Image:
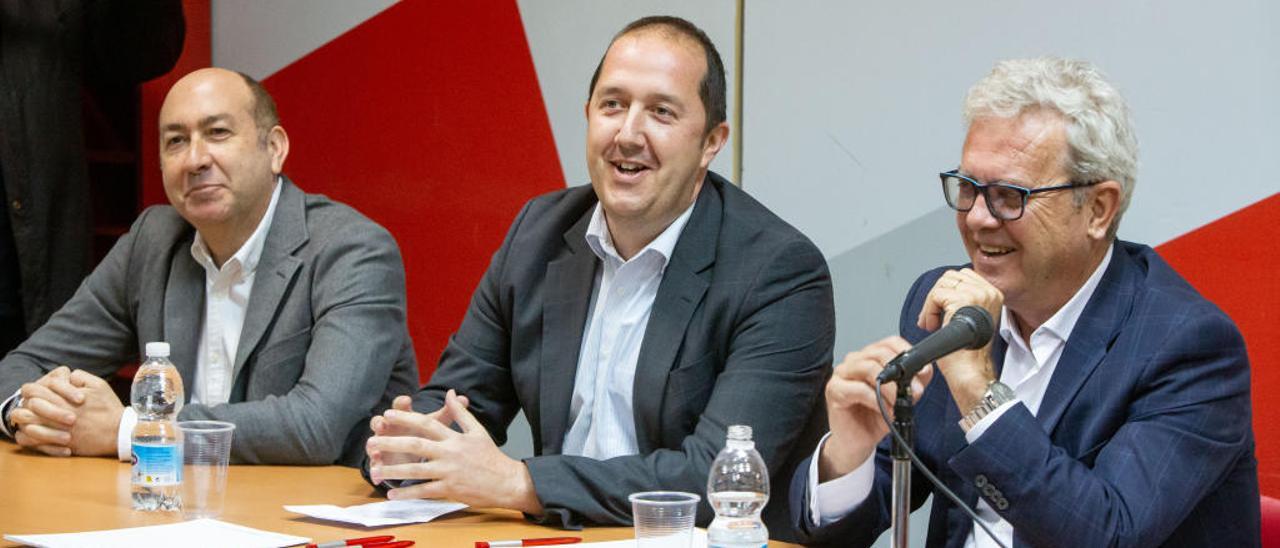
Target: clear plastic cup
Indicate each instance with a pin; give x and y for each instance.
(664, 518)
(206, 451)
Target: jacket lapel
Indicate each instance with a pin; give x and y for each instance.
(679, 294)
(276, 269)
(184, 293)
(564, 314)
(1094, 332)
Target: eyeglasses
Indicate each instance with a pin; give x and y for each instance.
(1005, 201)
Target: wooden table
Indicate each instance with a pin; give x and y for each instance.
(61, 495)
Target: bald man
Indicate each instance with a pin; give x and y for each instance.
(285, 311)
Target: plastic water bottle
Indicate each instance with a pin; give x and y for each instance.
(738, 488)
(157, 444)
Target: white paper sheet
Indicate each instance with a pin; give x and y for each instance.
(377, 514)
(195, 533)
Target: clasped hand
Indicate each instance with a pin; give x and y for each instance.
(464, 466)
(68, 413)
(968, 372)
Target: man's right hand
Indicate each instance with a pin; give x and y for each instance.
(48, 413)
(382, 427)
(854, 416)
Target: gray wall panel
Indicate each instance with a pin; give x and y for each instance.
(853, 107)
(261, 37)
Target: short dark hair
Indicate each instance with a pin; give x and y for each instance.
(712, 88)
(264, 111)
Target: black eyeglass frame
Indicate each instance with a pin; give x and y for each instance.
(1022, 191)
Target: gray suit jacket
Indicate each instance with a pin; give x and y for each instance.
(324, 343)
(741, 332)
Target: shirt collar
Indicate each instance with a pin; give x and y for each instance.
(251, 251)
(1064, 320)
(601, 241)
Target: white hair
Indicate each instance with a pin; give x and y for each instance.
(1101, 142)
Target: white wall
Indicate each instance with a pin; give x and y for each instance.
(853, 107)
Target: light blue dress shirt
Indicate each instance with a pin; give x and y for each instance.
(602, 422)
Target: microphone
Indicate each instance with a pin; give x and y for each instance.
(970, 327)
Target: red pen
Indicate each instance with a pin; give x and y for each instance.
(548, 541)
(396, 544)
(351, 542)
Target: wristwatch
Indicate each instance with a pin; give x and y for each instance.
(997, 394)
(15, 403)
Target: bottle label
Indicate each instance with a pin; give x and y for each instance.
(157, 464)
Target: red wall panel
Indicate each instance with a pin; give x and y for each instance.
(427, 118)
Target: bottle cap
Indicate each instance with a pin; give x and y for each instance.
(157, 350)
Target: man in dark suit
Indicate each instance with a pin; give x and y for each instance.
(633, 320)
(49, 49)
(1112, 408)
(285, 311)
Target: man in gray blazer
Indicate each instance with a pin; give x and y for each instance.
(285, 311)
(632, 320)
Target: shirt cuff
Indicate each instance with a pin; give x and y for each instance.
(835, 499)
(4, 414)
(124, 436)
(981, 426)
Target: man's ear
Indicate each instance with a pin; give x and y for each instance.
(1103, 206)
(714, 141)
(278, 146)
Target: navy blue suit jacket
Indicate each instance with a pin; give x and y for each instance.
(1144, 437)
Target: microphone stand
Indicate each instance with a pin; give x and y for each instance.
(904, 423)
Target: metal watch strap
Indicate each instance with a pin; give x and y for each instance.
(997, 394)
(14, 403)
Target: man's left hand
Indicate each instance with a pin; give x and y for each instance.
(97, 417)
(465, 467)
(968, 372)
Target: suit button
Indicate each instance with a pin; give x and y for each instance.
(980, 480)
(17, 205)
(1002, 504)
(990, 491)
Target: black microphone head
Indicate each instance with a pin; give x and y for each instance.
(978, 319)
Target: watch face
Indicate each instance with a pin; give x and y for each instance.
(1001, 392)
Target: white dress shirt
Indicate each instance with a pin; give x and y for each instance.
(602, 423)
(1027, 370)
(226, 299)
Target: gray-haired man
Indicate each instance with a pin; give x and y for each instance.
(1112, 409)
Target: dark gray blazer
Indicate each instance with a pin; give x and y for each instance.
(741, 332)
(324, 344)
(48, 50)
